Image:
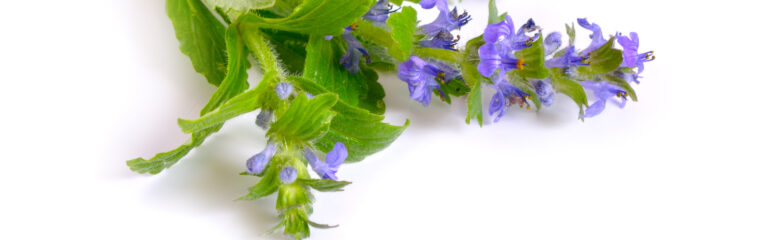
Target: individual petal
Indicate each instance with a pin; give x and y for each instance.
(257, 163)
(336, 156)
(379, 12)
(288, 175)
(545, 92)
(498, 105)
(490, 60)
(552, 42)
(420, 77)
(499, 31)
(596, 36)
(264, 118)
(283, 90)
(595, 108)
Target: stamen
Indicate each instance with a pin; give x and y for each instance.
(353, 27)
(519, 64)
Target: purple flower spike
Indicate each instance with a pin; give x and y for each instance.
(545, 93)
(569, 59)
(355, 51)
(334, 159)
(552, 42)
(603, 92)
(422, 76)
(446, 21)
(596, 36)
(631, 58)
(506, 95)
(288, 175)
(379, 12)
(259, 162)
(283, 90)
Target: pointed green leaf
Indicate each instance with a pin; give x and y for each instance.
(493, 13)
(368, 33)
(403, 25)
(320, 17)
(322, 66)
(266, 185)
(533, 60)
(201, 36)
(475, 103)
(306, 119)
(241, 4)
(445, 55)
(569, 87)
(236, 80)
(604, 60)
(324, 185)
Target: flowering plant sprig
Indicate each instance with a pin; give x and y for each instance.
(320, 101)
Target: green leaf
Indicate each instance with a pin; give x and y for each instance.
(241, 4)
(244, 103)
(266, 185)
(201, 36)
(234, 83)
(604, 60)
(236, 80)
(524, 84)
(453, 57)
(403, 25)
(305, 119)
(569, 87)
(367, 32)
(400, 2)
(355, 89)
(455, 87)
(319, 17)
(493, 13)
(533, 58)
(620, 82)
(362, 132)
(165, 160)
(325, 185)
(475, 103)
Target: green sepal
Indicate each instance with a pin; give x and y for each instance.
(296, 222)
(570, 30)
(455, 87)
(324, 185)
(201, 36)
(306, 119)
(533, 60)
(563, 84)
(403, 26)
(292, 195)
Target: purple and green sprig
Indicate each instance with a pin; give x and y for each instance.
(319, 100)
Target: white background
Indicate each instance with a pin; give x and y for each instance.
(87, 85)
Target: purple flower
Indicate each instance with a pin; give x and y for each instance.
(334, 159)
(355, 50)
(544, 92)
(501, 41)
(552, 42)
(443, 40)
(603, 91)
(506, 95)
(264, 118)
(631, 57)
(259, 162)
(379, 12)
(422, 77)
(283, 90)
(288, 175)
(596, 36)
(446, 21)
(569, 59)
